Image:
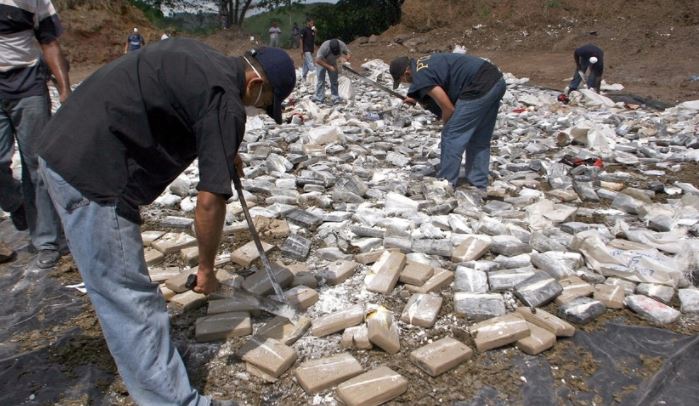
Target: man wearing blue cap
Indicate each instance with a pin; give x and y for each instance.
(128, 131)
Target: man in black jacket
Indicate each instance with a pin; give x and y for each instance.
(129, 131)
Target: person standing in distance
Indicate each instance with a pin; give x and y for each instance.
(308, 41)
(29, 42)
(134, 42)
(129, 130)
(295, 35)
(274, 32)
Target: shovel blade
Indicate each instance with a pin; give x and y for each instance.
(267, 304)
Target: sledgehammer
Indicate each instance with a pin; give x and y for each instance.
(279, 308)
(375, 84)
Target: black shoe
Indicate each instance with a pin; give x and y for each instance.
(19, 218)
(46, 259)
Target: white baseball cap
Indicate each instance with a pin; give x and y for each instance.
(135, 29)
(593, 59)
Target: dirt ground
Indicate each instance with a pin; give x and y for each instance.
(217, 370)
(650, 47)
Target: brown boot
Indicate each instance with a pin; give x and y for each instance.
(6, 254)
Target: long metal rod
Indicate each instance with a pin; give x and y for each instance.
(375, 84)
(255, 237)
(583, 78)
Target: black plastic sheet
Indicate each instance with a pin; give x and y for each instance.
(619, 351)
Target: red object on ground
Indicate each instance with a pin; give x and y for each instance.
(519, 110)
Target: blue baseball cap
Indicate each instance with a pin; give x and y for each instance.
(281, 75)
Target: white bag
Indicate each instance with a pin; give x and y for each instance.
(344, 88)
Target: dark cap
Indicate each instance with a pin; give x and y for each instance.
(335, 47)
(397, 69)
(281, 75)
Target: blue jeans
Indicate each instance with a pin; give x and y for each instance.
(470, 129)
(23, 120)
(308, 64)
(594, 79)
(320, 85)
(108, 251)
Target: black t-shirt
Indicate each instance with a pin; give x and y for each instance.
(308, 38)
(461, 77)
(133, 126)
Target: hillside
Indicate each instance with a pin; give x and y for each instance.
(650, 46)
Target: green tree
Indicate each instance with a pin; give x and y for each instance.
(233, 12)
(350, 19)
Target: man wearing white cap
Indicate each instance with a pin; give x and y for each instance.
(588, 57)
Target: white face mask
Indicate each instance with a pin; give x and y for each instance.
(259, 94)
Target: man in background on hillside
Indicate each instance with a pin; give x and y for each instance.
(134, 42)
(308, 41)
(465, 91)
(128, 131)
(274, 32)
(586, 57)
(30, 31)
(327, 57)
(295, 36)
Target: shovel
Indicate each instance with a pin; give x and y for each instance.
(584, 78)
(375, 84)
(275, 307)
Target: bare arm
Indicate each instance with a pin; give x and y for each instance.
(208, 223)
(321, 62)
(440, 96)
(59, 67)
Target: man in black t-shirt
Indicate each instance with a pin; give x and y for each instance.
(308, 41)
(129, 130)
(586, 57)
(465, 91)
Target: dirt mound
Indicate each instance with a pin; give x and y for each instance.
(650, 47)
(96, 31)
